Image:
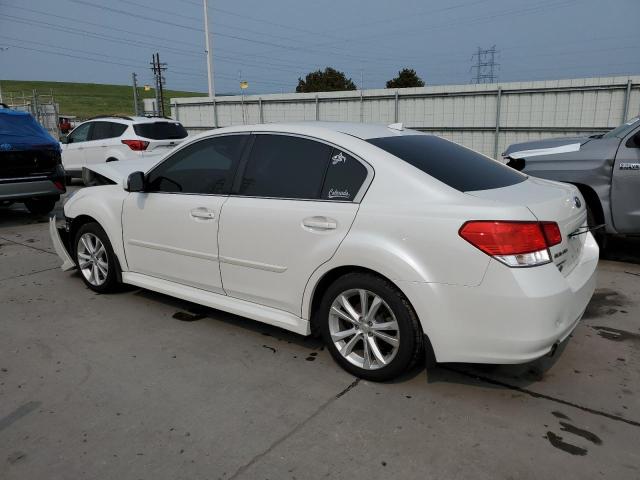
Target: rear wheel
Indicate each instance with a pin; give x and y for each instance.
(369, 327)
(95, 259)
(41, 206)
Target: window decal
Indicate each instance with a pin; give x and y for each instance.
(338, 158)
(335, 193)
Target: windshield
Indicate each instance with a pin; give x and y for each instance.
(622, 130)
(453, 164)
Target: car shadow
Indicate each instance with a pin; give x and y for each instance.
(514, 376)
(622, 249)
(17, 215)
(495, 376)
(188, 311)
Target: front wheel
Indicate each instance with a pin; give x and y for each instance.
(95, 259)
(369, 327)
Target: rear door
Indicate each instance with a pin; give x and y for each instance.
(104, 142)
(292, 205)
(170, 230)
(625, 185)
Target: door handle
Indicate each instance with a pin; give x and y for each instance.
(320, 223)
(203, 213)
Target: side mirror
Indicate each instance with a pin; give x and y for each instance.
(135, 182)
(64, 139)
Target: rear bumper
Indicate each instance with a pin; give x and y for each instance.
(22, 190)
(513, 316)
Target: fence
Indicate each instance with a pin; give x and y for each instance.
(42, 106)
(485, 117)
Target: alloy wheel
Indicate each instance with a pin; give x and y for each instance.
(364, 329)
(92, 259)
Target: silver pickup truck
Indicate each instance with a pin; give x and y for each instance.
(606, 169)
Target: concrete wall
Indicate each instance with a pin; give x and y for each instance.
(486, 117)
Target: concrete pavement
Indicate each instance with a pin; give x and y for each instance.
(115, 386)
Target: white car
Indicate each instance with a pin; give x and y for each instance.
(108, 139)
(388, 242)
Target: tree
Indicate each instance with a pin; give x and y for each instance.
(331, 80)
(407, 77)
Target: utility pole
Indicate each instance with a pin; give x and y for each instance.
(485, 66)
(136, 102)
(208, 51)
(158, 68)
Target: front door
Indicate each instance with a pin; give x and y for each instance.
(625, 185)
(288, 215)
(73, 150)
(170, 230)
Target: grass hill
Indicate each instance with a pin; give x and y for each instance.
(86, 100)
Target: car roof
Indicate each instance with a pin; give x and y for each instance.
(129, 119)
(363, 131)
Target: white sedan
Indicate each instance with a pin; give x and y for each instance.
(388, 242)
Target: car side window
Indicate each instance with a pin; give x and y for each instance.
(80, 134)
(284, 166)
(204, 167)
(117, 129)
(101, 130)
(344, 177)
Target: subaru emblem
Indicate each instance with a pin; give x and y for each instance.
(577, 202)
(5, 147)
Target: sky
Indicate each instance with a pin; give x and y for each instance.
(272, 43)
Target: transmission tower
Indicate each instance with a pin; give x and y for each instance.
(158, 70)
(485, 66)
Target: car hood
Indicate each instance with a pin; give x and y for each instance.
(548, 146)
(117, 171)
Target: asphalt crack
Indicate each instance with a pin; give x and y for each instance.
(28, 274)
(28, 246)
(533, 394)
(294, 430)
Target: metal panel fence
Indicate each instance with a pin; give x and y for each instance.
(485, 117)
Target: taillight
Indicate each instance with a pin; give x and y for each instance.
(136, 145)
(551, 233)
(516, 244)
(59, 185)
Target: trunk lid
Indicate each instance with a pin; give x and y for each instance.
(549, 201)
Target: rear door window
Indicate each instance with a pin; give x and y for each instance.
(453, 164)
(102, 130)
(284, 166)
(344, 177)
(160, 130)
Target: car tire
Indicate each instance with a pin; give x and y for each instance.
(41, 206)
(96, 261)
(379, 346)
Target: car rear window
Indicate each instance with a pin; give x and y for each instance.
(453, 164)
(160, 130)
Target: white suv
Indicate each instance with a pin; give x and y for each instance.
(107, 139)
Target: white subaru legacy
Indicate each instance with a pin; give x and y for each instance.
(387, 242)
